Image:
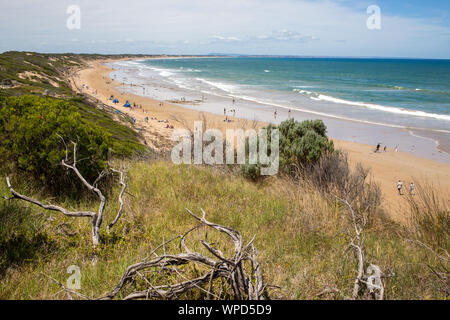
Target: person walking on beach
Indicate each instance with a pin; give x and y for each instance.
(412, 187)
(385, 147)
(378, 147)
(289, 113)
(224, 111)
(275, 114)
(399, 187)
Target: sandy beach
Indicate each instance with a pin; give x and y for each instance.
(386, 167)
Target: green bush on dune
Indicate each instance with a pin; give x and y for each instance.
(31, 128)
(302, 144)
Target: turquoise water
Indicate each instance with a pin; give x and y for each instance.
(403, 104)
(400, 91)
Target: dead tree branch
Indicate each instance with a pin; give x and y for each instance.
(371, 278)
(68, 291)
(122, 191)
(52, 207)
(441, 270)
(96, 217)
(245, 284)
(359, 199)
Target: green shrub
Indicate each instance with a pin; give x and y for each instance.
(302, 144)
(31, 128)
(251, 171)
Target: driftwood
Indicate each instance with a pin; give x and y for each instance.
(96, 217)
(246, 284)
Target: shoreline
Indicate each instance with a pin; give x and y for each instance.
(386, 167)
(159, 85)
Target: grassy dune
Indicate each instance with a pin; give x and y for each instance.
(301, 233)
(30, 73)
(300, 236)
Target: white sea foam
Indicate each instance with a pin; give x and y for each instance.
(321, 97)
(219, 85)
(309, 93)
(233, 90)
(332, 116)
(416, 113)
(165, 73)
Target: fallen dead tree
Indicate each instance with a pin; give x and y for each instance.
(359, 199)
(370, 278)
(244, 279)
(96, 217)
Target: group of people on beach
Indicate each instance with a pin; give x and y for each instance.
(275, 114)
(378, 148)
(412, 187)
(168, 126)
(233, 111)
(139, 107)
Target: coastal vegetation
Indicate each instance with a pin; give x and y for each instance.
(316, 227)
(301, 146)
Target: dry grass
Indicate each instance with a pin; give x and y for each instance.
(300, 235)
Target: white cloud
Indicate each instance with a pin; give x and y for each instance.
(222, 38)
(322, 27)
(287, 35)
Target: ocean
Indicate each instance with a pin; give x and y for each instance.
(394, 93)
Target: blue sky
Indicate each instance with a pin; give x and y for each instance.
(409, 28)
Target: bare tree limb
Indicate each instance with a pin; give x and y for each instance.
(98, 218)
(52, 207)
(245, 284)
(65, 289)
(124, 186)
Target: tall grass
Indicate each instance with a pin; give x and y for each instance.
(430, 217)
(300, 236)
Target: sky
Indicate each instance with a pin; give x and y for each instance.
(407, 28)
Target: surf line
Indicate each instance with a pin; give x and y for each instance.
(337, 117)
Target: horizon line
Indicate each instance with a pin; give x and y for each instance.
(233, 55)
